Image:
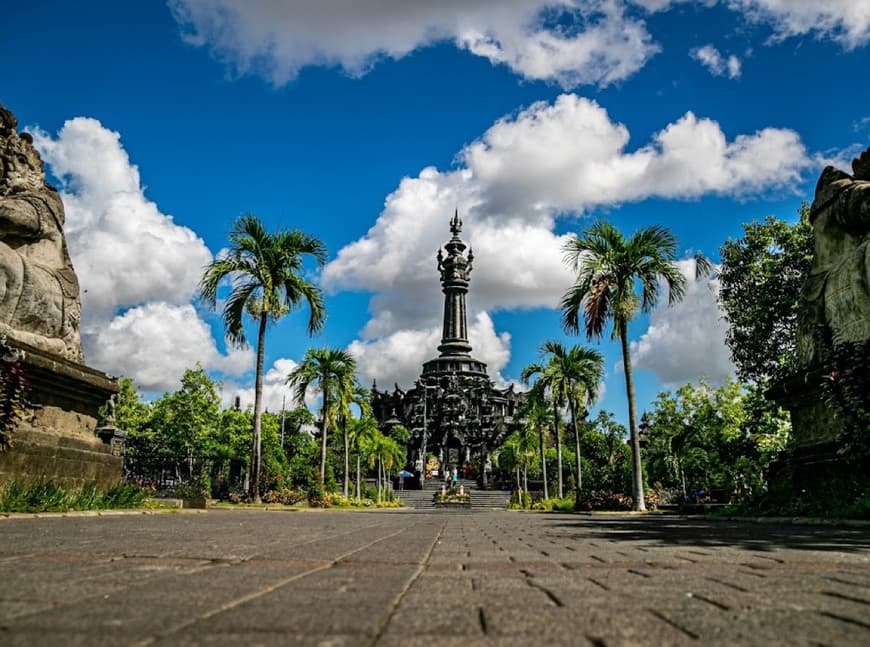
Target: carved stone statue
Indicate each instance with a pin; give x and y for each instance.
(836, 296)
(39, 291)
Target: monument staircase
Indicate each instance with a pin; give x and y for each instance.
(480, 499)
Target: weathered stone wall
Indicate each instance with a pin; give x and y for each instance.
(60, 446)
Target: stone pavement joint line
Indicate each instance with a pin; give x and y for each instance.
(420, 570)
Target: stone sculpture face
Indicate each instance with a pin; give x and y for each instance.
(39, 291)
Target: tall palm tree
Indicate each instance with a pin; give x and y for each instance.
(609, 267)
(332, 370)
(265, 270)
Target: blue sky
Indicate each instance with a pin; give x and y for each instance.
(367, 123)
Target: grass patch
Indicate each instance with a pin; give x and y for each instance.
(48, 496)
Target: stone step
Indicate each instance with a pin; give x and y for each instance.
(480, 499)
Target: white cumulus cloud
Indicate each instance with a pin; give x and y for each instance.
(397, 357)
(687, 340)
(532, 37)
(845, 21)
(137, 268)
(155, 343)
(125, 250)
(524, 173)
(715, 62)
(276, 393)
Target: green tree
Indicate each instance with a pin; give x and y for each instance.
(184, 422)
(698, 438)
(761, 278)
(609, 266)
(610, 458)
(332, 370)
(266, 271)
(131, 414)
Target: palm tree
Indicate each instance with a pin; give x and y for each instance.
(332, 370)
(362, 432)
(535, 414)
(360, 396)
(547, 384)
(385, 453)
(517, 452)
(573, 375)
(608, 268)
(266, 274)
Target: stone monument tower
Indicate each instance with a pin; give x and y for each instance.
(454, 410)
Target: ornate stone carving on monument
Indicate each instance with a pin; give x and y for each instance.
(40, 314)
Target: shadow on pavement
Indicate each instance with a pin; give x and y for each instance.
(673, 530)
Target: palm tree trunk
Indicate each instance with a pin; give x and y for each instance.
(543, 461)
(258, 410)
(559, 489)
(636, 466)
(358, 484)
(579, 483)
(346, 461)
(323, 440)
(379, 479)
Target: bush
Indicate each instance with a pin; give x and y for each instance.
(565, 504)
(316, 496)
(197, 488)
(284, 496)
(125, 495)
(611, 501)
(520, 500)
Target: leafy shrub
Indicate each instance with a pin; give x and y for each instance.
(196, 488)
(316, 496)
(598, 500)
(124, 495)
(284, 496)
(13, 391)
(520, 500)
(652, 499)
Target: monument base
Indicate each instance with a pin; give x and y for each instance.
(56, 438)
(813, 460)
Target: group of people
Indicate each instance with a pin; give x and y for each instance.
(451, 477)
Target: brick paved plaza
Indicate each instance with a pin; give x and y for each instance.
(410, 578)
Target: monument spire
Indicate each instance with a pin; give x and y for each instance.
(455, 270)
